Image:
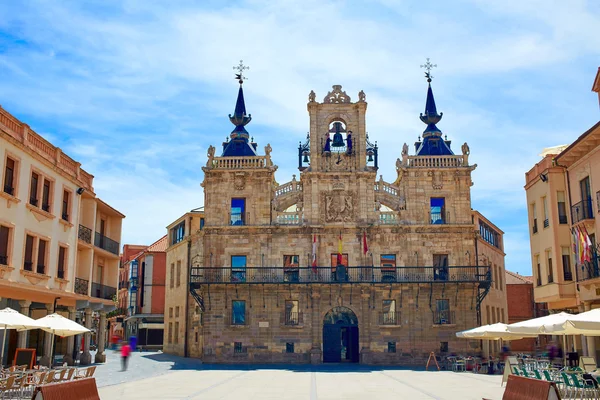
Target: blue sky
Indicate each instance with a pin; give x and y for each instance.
(136, 90)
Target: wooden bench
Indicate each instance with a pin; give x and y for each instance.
(81, 389)
(520, 388)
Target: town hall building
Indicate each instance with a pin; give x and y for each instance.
(335, 265)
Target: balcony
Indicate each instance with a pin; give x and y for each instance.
(589, 270)
(562, 219)
(9, 190)
(326, 275)
(85, 234)
(106, 243)
(28, 266)
(292, 318)
(444, 317)
(582, 210)
(3, 260)
(81, 286)
(103, 292)
(546, 223)
(534, 228)
(389, 318)
(60, 274)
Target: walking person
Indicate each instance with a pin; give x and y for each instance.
(125, 352)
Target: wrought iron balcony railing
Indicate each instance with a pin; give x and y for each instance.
(41, 269)
(85, 234)
(354, 274)
(562, 219)
(292, 318)
(103, 292)
(106, 243)
(81, 286)
(9, 189)
(443, 317)
(546, 223)
(60, 273)
(534, 229)
(582, 210)
(389, 318)
(3, 260)
(28, 266)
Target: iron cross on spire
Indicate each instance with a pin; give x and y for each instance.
(241, 68)
(428, 67)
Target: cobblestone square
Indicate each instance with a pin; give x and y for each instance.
(161, 376)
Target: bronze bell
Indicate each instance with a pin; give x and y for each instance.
(338, 140)
(305, 159)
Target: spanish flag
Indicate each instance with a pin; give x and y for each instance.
(339, 255)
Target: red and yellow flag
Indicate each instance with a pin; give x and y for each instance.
(339, 255)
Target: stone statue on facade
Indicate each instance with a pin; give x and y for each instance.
(211, 156)
(312, 96)
(268, 150)
(299, 205)
(362, 97)
(465, 151)
(405, 149)
(377, 205)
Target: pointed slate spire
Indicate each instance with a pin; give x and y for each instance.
(239, 144)
(432, 144)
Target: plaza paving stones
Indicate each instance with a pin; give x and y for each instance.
(160, 376)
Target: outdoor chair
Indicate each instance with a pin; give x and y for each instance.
(60, 375)
(537, 374)
(459, 366)
(67, 376)
(525, 373)
(516, 371)
(87, 373)
(584, 387)
(13, 388)
(49, 377)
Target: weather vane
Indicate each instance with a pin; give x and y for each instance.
(241, 68)
(428, 67)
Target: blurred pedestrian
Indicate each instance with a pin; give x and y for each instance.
(132, 342)
(125, 352)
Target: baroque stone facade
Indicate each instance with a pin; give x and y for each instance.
(335, 266)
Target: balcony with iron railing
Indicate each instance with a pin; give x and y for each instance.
(582, 210)
(81, 286)
(8, 189)
(326, 275)
(102, 291)
(85, 234)
(3, 259)
(389, 318)
(444, 317)
(292, 318)
(106, 243)
(534, 228)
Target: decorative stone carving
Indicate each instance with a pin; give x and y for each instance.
(299, 205)
(465, 151)
(404, 150)
(239, 180)
(362, 97)
(268, 151)
(338, 186)
(336, 96)
(211, 156)
(312, 96)
(401, 203)
(337, 206)
(377, 205)
(437, 180)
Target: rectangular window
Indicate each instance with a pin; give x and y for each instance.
(387, 263)
(201, 223)
(534, 227)
(178, 274)
(196, 336)
(289, 347)
(538, 269)
(176, 335)
(388, 315)
(9, 176)
(41, 260)
(177, 312)
(550, 269)
(4, 236)
(495, 273)
(442, 314)
(172, 278)
(443, 347)
(33, 191)
(28, 263)
(437, 210)
(238, 312)
(238, 268)
(46, 193)
(132, 303)
(339, 267)
(292, 314)
(562, 208)
(238, 212)
(500, 274)
(62, 254)
(178, 233)
(170, 312)
(238, 348)
(566, 261)
(545, 205)
(502, 314)
(170, 333)
(489, 234)
(440, 267)
(66, 205)
(391, 347)
(487, 313)
(291, 271)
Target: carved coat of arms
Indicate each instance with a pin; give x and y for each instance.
(239, 180)
(338, 206)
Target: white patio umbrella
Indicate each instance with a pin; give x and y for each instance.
(11, 319)
(496, 331)
(586, 323)
(56, 324)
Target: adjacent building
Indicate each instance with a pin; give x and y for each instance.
(336, 265)
(596, 86)
(59, 243)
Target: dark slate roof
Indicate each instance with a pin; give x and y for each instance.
(433, 144)
(239, 145)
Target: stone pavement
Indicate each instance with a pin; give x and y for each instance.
(160, 376)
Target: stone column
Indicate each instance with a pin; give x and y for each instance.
(100, 338)
(68, 357)
(365, 351)
(315, 351)
(591, 340)
(86, 357)
(48, 339)
(22, 340)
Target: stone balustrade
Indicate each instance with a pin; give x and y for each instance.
(240, 162)
(436, 161)
(288, 218)
(289, 187)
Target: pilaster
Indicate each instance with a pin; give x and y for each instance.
(100, 337)
(24, 335)
(68, 357)
(86, 357)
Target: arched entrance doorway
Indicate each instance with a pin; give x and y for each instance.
(340, 336)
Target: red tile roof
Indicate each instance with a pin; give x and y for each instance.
(512, 278)
(159, 246)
